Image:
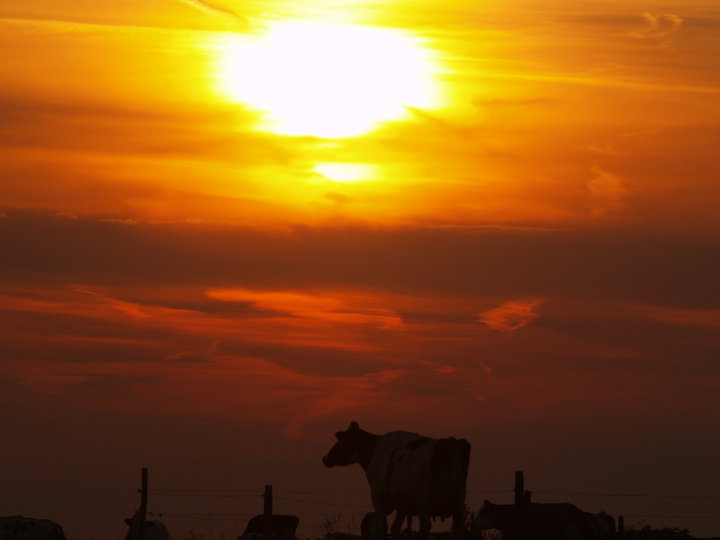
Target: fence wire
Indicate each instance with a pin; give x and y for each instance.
(229, 493)
(299, 496)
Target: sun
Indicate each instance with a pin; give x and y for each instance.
(328, 80)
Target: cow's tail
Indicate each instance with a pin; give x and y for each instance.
(450, 467)
(462, 450)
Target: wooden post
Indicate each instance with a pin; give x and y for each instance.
(621, 526)
(142, 512)
(519, 488)
(267, 511)
(527, 495)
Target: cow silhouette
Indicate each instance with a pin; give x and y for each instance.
(544, 521)
(22, 528)
(409, 474)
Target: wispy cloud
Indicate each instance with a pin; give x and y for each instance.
(217, 388)
(329, 308)
(604, 149)
(512, 315)
(607, 192)
(658, 26)
(709, 318)
(128, 308)
(214, 9)
(610, 82)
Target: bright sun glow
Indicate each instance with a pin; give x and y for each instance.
(345, 172)
(328, 80)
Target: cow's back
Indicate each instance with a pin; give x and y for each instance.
(387, 484)
(414, 474)
(410, 475)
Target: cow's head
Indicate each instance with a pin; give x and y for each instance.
(352, 446)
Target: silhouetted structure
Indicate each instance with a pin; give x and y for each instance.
(139, 527)
(547, 521)
(22, 528)
(145, 530)
(648, 533)
(274, 527)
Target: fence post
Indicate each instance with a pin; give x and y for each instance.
(267, 511)
(142, 512)
(519, 488)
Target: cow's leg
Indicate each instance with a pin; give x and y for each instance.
(424, 533)
(381, 521)
(458, 523)
(397, 525)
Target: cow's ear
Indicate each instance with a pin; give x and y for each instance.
(353, 425)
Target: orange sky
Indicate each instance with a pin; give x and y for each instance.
(524, 251)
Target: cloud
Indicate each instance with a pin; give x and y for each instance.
(659, 26)
(128, 308)
(611, 82)
(212, 8)
(605, 149)
(511, 316)
(708, 318)
(329, 307)
(94, 348)
(445, 125)
(51, 123)
(646, 267)
(607, 192)
(222, 387)
(506, 102)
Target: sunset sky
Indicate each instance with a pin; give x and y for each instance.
(230, 228)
